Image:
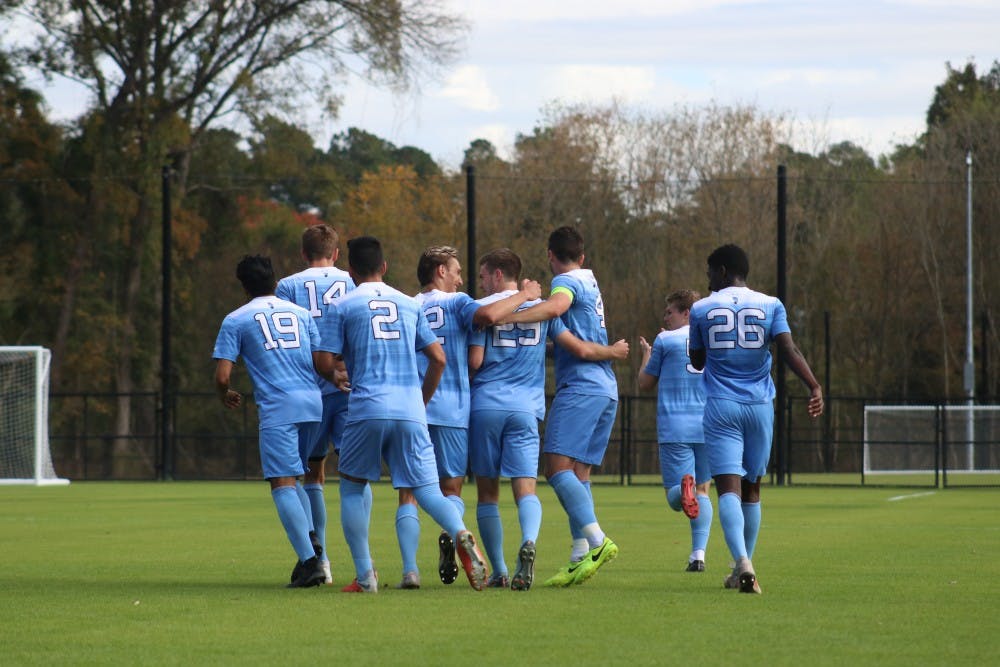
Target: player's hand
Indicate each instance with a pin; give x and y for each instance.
(815, 406)
(341, 380)
(232, 399)
(620, 349)
(644, 346)
(531, 289)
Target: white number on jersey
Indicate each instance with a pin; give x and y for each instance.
(335, 290)
(687, 349)
(435, 318)
(286, 330)
(386, 315)
(526, 333)
(746, 323)
(599, 307)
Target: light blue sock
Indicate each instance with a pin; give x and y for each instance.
(355, 517)
(575, 498)
(459, 505)
(293, 518)
(529, 515)
(751, 526)
(491, 535)
(317, 502)
(701, 526)
(443, 511)
(408, 534)
(731, 518)
(306, 505)
(674, 498)
(368, 498)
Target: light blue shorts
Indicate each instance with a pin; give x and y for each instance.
(738, 437)
(404, 445)
(579, 426)
(503, 444)
(330, 429)
(280, 448)
(451, 449)
(683, 458)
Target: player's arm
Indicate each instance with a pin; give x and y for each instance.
(476, 354)
(331, 368)
(589, 351)
(646, 381)
(223, 372)
(800, 367)
(557, 304)
(490, 314)
(435, 369)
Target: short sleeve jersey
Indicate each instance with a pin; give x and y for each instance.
(735, 327)
(276, 340)
(379, 331)
(315, 289)
(444, 312)
(680, 392)
(512, 375)
(585, 318)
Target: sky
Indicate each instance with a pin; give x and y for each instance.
(862, 71)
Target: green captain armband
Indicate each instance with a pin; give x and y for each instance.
(559, 289)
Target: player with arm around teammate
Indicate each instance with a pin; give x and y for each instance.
(276, 340)
(680, 407)
(731, 331)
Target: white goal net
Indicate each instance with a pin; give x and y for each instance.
(925, 438)
(24, 417)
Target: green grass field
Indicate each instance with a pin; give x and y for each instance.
(193, 573)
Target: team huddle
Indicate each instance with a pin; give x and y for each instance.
(440, 385)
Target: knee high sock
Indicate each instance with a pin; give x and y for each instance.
(459, 505)
(306, 505)
(529, 516)
(751, 526)
(701, 526)
(575, 499)
(317, 503)
(355, 516)
(731, 518)
(293, 518)
(674, 497)
(443, 511)
(408, 535)
(491, 535)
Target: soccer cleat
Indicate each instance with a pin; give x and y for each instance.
(369, 585)
(689, 503)
(565, 575)
(472, 560)
(732, 580)
(307, 574)
(327, 574)
(746, 577)
(497, 580)
(411, 581)
(317, 547)
(696, 566)
(525, 572)
(447, 569)
(594, 559)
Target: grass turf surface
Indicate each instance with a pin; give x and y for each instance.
(193, 573)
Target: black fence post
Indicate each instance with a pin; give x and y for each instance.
(781, 451)
(166, 403)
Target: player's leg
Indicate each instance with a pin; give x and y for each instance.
(408, 536)
(451, 450)
(488, 427)
(359, 462)
(702, 525)
(757, 453)
(724, 440)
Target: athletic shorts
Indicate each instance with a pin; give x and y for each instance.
(579, 426)
(738, 437)
(331, 428)
(503, 444)
(405, 446)
(683, 458)
(451, 450)
(280, 449)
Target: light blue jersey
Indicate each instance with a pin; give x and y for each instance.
(445, 313)
(379, 330)
(276, 339)
(315, 289)
(735, 327)
(680, 393)
(512, 375)
(585, 318)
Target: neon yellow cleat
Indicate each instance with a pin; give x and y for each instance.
(594, 559)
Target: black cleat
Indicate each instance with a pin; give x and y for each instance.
(307, 574)
(696, 566)
(317, 547)
(447, 567)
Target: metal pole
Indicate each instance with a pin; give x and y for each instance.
(165, 361)
(970, 367)
(780, 392)
(472, 268)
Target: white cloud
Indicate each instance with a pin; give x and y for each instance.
(526, 11)
(469, 88)
(595, 83)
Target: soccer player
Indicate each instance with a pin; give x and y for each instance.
(377, 331)
(276, 340)
(680, 406)
(440, 276)
(583, 410)
(508, 400)
(314, 289)
(730, 333)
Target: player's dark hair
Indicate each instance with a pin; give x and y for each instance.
(566, 243)
(504, 259)
(732, 259)
(431, 258)
(319, 241)
(682, 299)
(256, 275)
(364, 255)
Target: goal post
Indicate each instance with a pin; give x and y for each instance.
(25, 457)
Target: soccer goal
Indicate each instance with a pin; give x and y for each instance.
(908, 439)
(24, 417)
